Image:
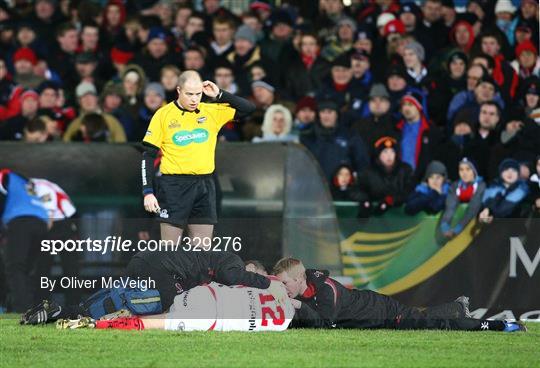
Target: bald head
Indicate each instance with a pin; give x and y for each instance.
(189, 76)
(190, 90)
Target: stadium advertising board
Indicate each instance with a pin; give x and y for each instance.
(404, 256)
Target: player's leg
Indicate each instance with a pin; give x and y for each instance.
(459, 308)
(170, 232)
(64, 230)
(413, 318)
(139, 323)
(382, 311)
(21, 240)
(175, 195)
(155, 322)
(395, 310)
(459, 324)
(193, 310)
(203, 214)
(201, 235)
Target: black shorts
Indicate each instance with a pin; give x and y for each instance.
(187, 199)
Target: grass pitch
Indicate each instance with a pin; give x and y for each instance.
(45, 346)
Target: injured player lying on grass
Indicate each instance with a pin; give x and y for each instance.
(212, 307)
(316, 301)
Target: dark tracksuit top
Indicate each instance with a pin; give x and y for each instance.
(178, 271)
(326, 303)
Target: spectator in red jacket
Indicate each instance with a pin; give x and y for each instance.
(12, 129)
(491, 44)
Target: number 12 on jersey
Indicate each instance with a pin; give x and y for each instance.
(277, 315)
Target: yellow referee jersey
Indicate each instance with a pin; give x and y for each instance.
(188, 139)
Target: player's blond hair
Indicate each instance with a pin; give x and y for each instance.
(292, 266)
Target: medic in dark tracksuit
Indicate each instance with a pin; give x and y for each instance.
(25, 220)
(328, 304)
(177, 271)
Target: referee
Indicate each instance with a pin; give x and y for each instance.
(186, 132)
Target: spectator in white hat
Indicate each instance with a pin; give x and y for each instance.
(504, 14)
(413, 58)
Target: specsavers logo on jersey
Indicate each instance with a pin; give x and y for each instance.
(185, 137)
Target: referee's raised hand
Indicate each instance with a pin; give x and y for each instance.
(210, 89)
(151, 203)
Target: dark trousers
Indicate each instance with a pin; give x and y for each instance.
(382, 311)
(24, 263)
(64, 230)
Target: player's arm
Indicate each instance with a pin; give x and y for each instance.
(232, 271)
(149, 155)
(307, 317)
(242, 106)
(151, 145)
(327, 307)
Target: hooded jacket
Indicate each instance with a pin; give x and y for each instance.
(378, 185)
(453, 201)
(424, 198)
(268, 133)
(504, 202)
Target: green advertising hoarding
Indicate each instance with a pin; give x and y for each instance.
(394, 252)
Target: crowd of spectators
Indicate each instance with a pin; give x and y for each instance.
(425, 103)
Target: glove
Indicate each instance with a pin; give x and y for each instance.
(389, 200)
(277, 289)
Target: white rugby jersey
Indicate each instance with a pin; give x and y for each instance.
(55, 200)
(228, 308)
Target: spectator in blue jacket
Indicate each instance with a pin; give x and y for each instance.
(430, 194)
(486, 90)
(468, 189)
(534, 186)
(503, 198)
(418, 137)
